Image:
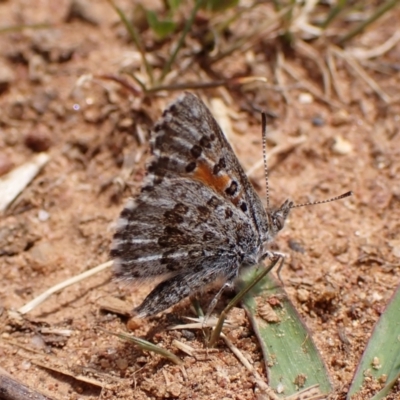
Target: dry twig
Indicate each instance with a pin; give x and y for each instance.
(45, 295)
(10, 389)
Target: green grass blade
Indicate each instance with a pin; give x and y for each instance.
(244, 289)
(382, 9)
(162, 28)
(381, 358)
(186, 29)
(135, 37)
(291, 358)
(145, 345)
(333, 13)
(220, 5)
(18, 28)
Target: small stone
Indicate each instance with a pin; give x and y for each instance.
(342, 146)
(43, 215)
(340, 117)
(134, 324)
(376, 297)
(188, 335)
(306, 98)
(125, 123)
(81, 10)
(314, 251)
(317, 120)
(280, 388)
(37, 342)
(296, 246)
(122, 364)
(26, 364)
(339, 247)
(38, 140)
(303, 295)
(41, 256)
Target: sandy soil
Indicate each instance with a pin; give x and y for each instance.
(96, 134)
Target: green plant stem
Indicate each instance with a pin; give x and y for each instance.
(138, 81)
(218, 328)
(145, 345)
(186, 29)
(136, 38)
(188, 85)
(334, 12)
(264, 30)
(378, 13)
(17, 28)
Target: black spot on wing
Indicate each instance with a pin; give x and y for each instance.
(190, 167)
(205, 141)
(196, 151)
(243, 207)
(219, 166)
(232, 189)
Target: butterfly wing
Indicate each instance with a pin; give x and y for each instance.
(173, 228)
(188, 142)
(197, 216)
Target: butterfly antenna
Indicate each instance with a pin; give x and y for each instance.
(342, 196)
(264, 147)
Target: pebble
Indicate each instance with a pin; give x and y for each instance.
(81, 10)
(122, 363)
(306, 98)
(317, 120)
(38, 140)
(342, 146)
(37, 342)
(43, 215)
(340, 117)
(303, 295)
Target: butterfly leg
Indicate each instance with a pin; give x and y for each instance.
(274, 255)
(228, 284)
(174, 289)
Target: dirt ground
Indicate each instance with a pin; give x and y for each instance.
(342, 258)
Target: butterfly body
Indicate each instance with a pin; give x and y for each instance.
(197, 217)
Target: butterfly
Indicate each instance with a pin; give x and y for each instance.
(197, 218)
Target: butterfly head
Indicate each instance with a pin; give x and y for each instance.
(275, 222)
(277, 219)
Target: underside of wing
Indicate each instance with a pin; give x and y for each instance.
(179, 225)
(188, 142)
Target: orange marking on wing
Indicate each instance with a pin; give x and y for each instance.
(219, 183)
(205, 175)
